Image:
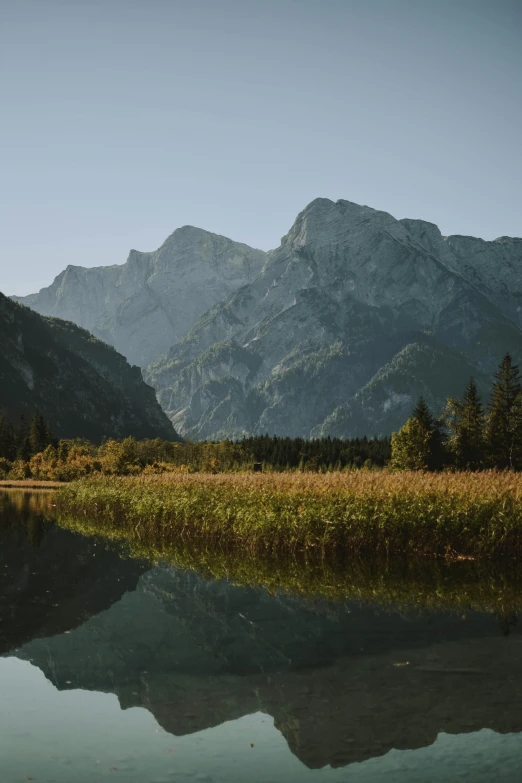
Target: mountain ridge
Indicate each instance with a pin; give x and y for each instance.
(343, 274)
(288, 350)
(143, 305)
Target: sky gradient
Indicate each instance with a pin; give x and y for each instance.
(124, 119)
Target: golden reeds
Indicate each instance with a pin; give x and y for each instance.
(451, 515)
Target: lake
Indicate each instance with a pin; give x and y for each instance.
(117, 668)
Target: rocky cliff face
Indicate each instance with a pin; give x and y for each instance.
(145, 305)
(82, 386)
(352, 318)
(338, 331)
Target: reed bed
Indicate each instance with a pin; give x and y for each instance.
(450, 515)
(421, 584)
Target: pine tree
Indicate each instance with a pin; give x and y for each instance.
(7, 440)
(465, 421)
(422, 413)
(516, 433)
(504, 423)
(39, 435)
(23, 446)
(10, 440)
(433, 426)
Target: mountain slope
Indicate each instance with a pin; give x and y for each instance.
(83, 387)
(346, 292)
(336, 331)
(423, 368)
(143, 306)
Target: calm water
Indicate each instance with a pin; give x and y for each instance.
(117, 669)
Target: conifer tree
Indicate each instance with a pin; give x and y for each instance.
(10, 442)
(504, 423)
(39, 435)
(423, 415)
(23, 446)
(465, 421)
(7, 440)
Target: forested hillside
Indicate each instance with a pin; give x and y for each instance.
(81, 386)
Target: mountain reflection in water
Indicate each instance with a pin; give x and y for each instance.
(343, 682)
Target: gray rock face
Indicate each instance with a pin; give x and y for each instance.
(145, 305)
(352, 318)
(337, 331)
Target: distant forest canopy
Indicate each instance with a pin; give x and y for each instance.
(29, 450)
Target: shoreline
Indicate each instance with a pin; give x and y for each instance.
(30, 484)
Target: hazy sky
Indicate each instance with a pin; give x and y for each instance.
(122, 120)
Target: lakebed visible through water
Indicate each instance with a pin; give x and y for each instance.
(198, 665)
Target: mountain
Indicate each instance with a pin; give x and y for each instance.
(352, 318)
(385, 402)
(336, 332)
(145, 305)
(83, 387)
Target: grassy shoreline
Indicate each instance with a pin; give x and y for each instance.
(30, 484)
(453, 516)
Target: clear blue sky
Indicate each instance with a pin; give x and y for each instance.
(125, 119)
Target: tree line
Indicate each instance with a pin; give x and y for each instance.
(29, 450)
(468, 435)
(26, 438)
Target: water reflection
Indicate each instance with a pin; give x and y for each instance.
(52, 580)
(343, 682)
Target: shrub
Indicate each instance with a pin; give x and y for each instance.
(5, 467)
(19, 471)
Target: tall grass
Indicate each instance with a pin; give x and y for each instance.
(461, 515)
(424, 584)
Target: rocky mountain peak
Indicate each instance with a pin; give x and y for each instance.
(239, 340)
(508, 240)
(352, 276)
(325, 223)
(186, 234)
(145, 305)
